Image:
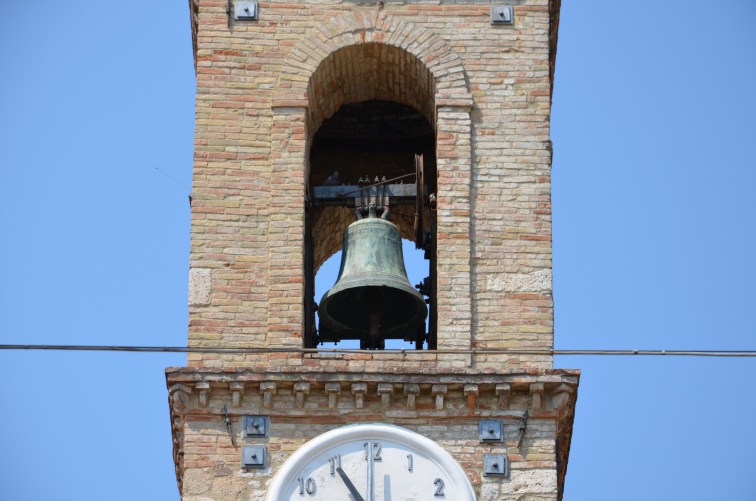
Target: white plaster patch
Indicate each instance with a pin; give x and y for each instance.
(520, 282)
(195, 482)
(543, 482)
(200, 286)
(490, 490)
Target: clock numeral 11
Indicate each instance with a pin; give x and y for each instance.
(335, 462)
(306, 485)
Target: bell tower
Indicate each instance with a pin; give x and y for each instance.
(352, 126)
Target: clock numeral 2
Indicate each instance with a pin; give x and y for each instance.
(306, 485)
(376, 451)
(439, 487)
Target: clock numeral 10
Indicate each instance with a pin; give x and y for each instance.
(376, 451)
(306, 485)
(439, 487)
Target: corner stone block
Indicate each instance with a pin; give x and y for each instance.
(562, 395)
(200, 286)
(180, 395)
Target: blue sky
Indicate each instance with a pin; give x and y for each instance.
(654, 218)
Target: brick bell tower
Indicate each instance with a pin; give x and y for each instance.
(436, 114)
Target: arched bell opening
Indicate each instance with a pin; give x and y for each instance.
(373, 141)
(370, 141)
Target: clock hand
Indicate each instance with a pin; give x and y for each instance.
(370, 472)
(349, 484)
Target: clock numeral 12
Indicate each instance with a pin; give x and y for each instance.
(376, 451)
(306, 485)
(439, 487)
(409, 462)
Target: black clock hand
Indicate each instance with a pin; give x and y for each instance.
(349, 484)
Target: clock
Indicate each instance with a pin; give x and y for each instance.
(371, 462)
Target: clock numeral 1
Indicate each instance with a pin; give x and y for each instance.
(306, 485)
(335, 462)
(376, 451)
(409, 462)
(439, 487)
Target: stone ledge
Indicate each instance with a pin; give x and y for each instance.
(197, 373)
(546, 394)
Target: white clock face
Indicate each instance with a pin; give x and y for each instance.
(404, 466)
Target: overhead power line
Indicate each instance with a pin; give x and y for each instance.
(242, 351)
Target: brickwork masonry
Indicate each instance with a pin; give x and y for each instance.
(264, 87)
(302, 405)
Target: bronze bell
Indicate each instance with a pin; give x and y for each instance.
(372, 299)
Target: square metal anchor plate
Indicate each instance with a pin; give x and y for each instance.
(255, 426)
(253, 456)
(502, 14)
(245, 11)
(491, 430)
(495, 465)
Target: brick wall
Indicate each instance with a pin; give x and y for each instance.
(302, 405)
(264, 88)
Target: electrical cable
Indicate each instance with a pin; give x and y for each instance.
(242, 351)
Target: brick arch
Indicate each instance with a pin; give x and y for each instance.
(359, 56)
(372, 27)
(365, 72)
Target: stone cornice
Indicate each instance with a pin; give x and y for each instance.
(545, 394)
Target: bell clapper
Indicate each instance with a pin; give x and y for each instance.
(374, 318)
